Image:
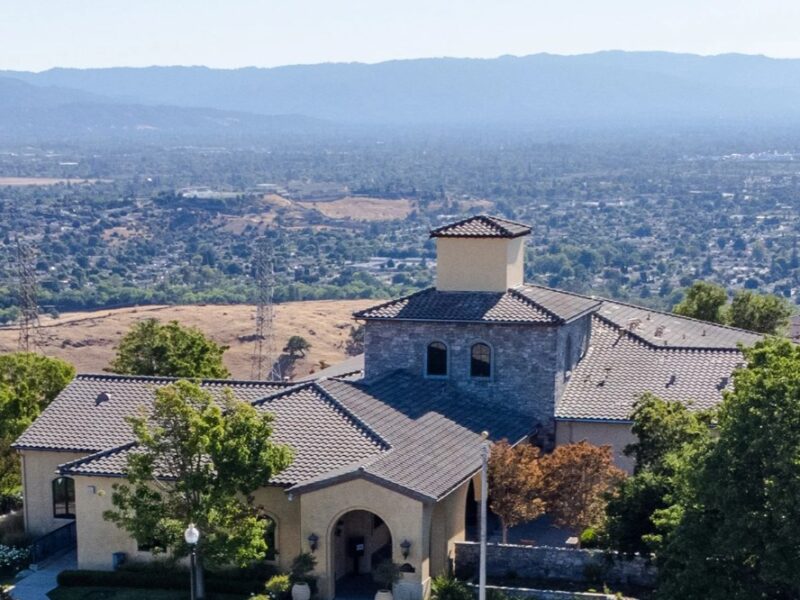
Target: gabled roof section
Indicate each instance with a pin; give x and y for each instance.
(434, 431)
(417, 436)
(323, 434)
(482, 226)
(80, 420)
(525, 304)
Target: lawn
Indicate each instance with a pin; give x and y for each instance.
(105, 593)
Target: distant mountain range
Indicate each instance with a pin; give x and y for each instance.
(606, 89)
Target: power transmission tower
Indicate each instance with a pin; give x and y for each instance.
(264, 363)
(30, 335)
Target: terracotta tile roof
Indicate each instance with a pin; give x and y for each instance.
(621, 365)
(525, 304)
(482, 226)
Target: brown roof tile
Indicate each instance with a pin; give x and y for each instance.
(482, 226)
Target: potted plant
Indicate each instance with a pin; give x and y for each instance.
(386, 574)
(300, 576)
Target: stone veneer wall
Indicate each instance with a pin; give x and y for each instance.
(557, 564)
(525, 361)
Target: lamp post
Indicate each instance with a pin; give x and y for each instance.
(192, 536)
(485, 448)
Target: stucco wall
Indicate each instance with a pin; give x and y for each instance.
(405, 517)
(447, 528)
(274, 502)
(38, 473)
(479, 265)
(617, 435)
(97, 538)
(525, 364)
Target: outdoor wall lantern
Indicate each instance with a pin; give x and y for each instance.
(405, 546)
(312, 541)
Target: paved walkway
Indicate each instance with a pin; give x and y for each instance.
(36, 585)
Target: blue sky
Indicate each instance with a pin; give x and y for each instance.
(39, 34)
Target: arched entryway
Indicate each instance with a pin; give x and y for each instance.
(360, 541)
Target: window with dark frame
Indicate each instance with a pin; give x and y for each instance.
(270, 538)
(480, 365)
(437, 359)
(64, 498)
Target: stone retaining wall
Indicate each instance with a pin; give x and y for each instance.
(534, 594)
(554, 564)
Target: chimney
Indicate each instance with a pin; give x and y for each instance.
(480, 254)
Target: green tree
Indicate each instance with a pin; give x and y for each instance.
(297, 345)
(28, 383)
(198, 460)
(737, 515)
(168, 350)
(704, 301)
(764, 313)
(662, 429)
(355, 341)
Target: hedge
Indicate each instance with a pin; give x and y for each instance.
(147, 580)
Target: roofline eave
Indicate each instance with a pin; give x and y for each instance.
(360, 473)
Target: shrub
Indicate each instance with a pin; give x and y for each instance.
(143, 579)
(301, 568)
(448, 588)
(12, 559)
(12, 531)
(279, 587)
(589, 538)
(9, 502)
(386, 574)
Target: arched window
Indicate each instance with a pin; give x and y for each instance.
(270, 538)
(437, 359)
(64, 498)
(480, 364)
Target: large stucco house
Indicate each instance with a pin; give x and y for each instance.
(388, 446)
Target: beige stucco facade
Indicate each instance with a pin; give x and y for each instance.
(479, 264)
(332, 513)
(599, 433)
(38, 472)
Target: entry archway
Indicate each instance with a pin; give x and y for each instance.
(360, 541)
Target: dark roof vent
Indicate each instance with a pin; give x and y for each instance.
(101, 397)
(723, 383)
(672, 379)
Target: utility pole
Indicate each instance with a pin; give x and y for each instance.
(263, 364)
(485, 449)
(30, 335)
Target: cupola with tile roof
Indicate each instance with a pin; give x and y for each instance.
(480, 254)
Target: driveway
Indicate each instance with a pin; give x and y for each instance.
(36, 585)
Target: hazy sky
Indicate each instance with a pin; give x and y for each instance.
(39, 34)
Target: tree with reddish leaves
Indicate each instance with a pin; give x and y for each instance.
(578, 479)
(516, 484)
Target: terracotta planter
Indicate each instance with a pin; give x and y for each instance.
(301, 591)
(383, 595)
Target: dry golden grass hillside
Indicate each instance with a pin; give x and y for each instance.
(88, 339)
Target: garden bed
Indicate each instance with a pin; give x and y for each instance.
(113, 593)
